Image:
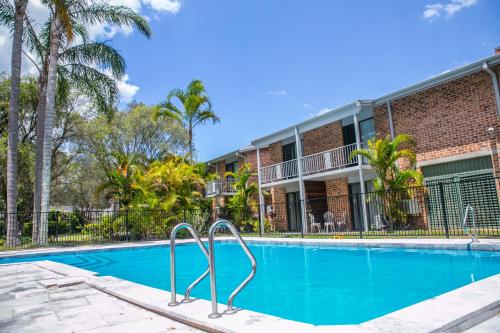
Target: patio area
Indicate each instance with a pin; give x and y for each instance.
(37, 299)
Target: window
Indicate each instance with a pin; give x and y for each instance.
(289, 152)
(231, 167)
(367, 131)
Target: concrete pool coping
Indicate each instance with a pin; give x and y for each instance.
(453, 311)
(485, 244)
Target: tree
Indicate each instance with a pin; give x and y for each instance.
(171, 184)
(121, 185)
(391, 184)
(12, 151)
(68, 17)
(197, 109)
(243, 201)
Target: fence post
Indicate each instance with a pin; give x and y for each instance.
(126, 225)
(57, 228)
(443, 205)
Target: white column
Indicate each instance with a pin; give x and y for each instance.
(261, 196)
(361, 176)
(389, 118)
(298, 147)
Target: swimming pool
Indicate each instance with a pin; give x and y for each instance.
(314, 284)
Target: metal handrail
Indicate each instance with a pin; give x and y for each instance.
(211, 264)
(464, 223)
(173, 294)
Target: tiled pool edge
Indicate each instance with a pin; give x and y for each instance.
(410, 243)
(458, 309)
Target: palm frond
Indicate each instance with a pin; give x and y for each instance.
(96, 54)
(115, 15)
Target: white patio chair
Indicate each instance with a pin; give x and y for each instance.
(313, 223)
(329, 221)
(378, 223)
(341, 222)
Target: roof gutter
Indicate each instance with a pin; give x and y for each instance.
(495, 84)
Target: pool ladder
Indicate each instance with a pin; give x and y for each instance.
(473, 237)
(210, 255)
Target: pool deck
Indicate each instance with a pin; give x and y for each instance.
(53, 298)
(455, 311)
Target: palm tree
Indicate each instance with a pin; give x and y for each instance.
(171, 183)
(78, 68)
(122, 186)
(197, 109)
(391, 184)
(13, 137)
(67, 17)
(243, 200)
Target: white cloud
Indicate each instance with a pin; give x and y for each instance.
(307, 106)
(127, 90)
(170, 6)
(276, 92)
(433, 11)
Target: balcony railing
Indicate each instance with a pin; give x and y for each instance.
(329, 160)
(333, 159)
(220, 186)
(279, 171)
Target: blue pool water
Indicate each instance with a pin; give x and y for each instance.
(317, 285)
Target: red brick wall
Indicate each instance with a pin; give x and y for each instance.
(337, 191)
(445, 120)
(323, 138)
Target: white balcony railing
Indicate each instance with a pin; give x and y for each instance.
(333, 159)
(279, 171)
(220, 186)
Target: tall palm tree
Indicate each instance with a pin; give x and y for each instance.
(13, 125)
(68, 16)
(197, 109)
(391, 184)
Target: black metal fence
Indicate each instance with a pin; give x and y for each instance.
(435, 210)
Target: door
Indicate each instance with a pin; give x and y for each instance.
(289, 152)
(293, 211)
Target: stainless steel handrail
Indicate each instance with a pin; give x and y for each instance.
(173, 295)
(211, 264)
(464, 223)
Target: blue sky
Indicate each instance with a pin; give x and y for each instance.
(270, 63)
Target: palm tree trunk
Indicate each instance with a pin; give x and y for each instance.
(190, 142)
(13, 138)
(40, 129)
(50, 110)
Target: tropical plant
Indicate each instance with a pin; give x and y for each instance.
(243, 201)
(196, 109)
(121, 186)
(391, 184)
(171, 184)
(12, 153)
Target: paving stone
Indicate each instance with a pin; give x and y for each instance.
(28, 306)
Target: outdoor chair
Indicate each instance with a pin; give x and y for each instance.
(313, 223)
(341, 222)
(329, 221)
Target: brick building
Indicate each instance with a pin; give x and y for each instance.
(453, 118)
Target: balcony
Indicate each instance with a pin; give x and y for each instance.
(330, 160)
(279, 171)
(220, 187)
(333, 159)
